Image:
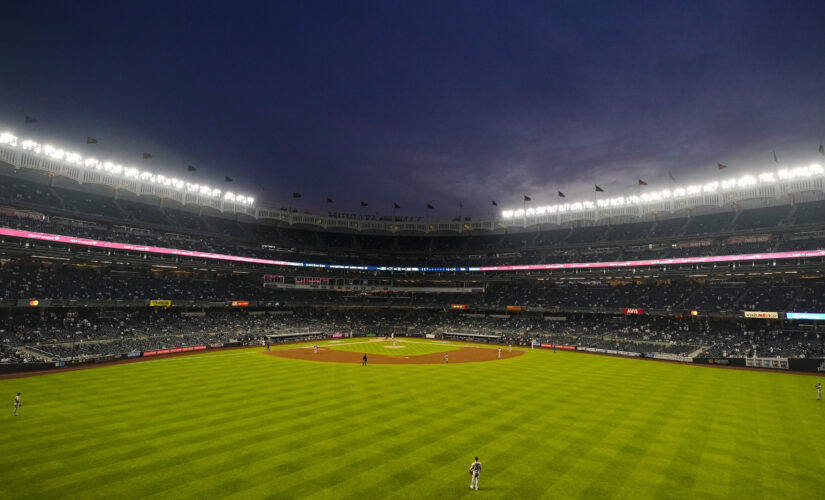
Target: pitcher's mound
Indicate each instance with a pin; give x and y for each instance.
(462, 355)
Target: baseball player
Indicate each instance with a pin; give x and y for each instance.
(446, 358)
(509, 347)
(499, 353)
(17, 404)
(364, 360)
(267, 344)
(475, 470)
(315, 348)
(818, 391)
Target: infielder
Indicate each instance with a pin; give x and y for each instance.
(17, 404)
(475, 470)
(818, 391)
(499, 353)
(509, 347)
(315, 348)
(446, 358)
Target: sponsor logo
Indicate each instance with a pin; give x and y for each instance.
(174, 350)
(458, 306)
(240, 303)
(632, 310)
(133, 354)
(216, 345)
(514, 308)
(337, 335)
(160, 303)
(559, 346)
(761, 314)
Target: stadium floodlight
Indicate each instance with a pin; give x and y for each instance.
(31, 146)
(746, 181)
(7, 139)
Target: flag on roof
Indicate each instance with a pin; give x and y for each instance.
(721, 166)
(396, 205)
(599, 190)
(227, 178)
(31, 119)
(527, 198)
(364, 204)
(146, 156)
(561, 195)
(496, 204)
(190, 168)
(430, 206)
(329, 200)
(642, 183)
(91, 140)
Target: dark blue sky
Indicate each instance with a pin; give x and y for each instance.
(418, 102)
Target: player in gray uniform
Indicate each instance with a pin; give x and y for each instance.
(818, 391)
(17, 404)
(475, 470)
(499, 353)
(446, 358)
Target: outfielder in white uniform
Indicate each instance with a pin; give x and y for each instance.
(17, 404)
(819, 391)
(475, 470)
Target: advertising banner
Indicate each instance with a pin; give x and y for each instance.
(240, 303)
(174, 350)
(559, 346)
(514, 308)
(632, 310)
(813, 316)
(720, 361)
(775, 363)
(337, 335)
(133, 354)
(160, 303)
(430, 335)
(458, 306)
(761, 314)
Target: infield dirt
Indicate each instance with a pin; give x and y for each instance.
(462, 355)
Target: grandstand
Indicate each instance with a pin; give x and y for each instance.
(89, 247)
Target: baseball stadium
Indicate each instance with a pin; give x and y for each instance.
(373, 250)
(169, 340)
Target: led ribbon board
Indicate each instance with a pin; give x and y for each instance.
(536, 267)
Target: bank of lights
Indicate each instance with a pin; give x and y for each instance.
(131, 173)
(782, 175)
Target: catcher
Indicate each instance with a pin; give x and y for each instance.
(475, 470)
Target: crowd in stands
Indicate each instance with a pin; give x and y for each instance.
(61, 335)
(89, 284)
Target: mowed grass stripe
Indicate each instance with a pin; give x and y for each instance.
(171, 444)
(624, 422)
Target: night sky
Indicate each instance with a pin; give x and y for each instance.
(417, 102)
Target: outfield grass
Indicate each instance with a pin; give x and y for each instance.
(411, 348)
(242, 424)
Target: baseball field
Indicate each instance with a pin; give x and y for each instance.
(247, 424)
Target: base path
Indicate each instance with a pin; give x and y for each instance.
(462, 355)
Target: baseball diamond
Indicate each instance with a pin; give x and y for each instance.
(247, 424)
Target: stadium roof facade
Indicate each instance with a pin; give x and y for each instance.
(782, 186)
